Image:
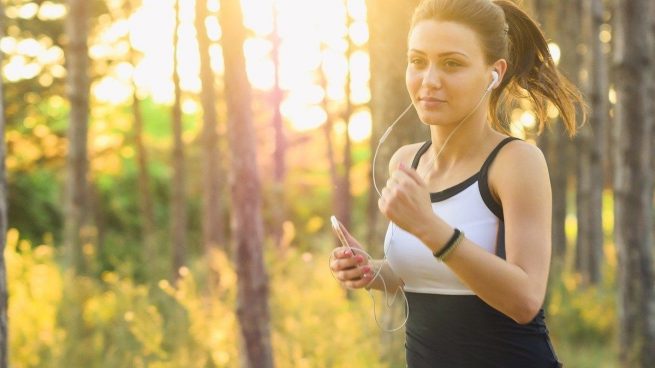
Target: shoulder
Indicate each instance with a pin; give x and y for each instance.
(404, 154)
(519, 168)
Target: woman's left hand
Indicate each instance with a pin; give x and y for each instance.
(406, 200)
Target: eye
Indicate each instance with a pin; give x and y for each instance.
(416, 61)
(451, 64)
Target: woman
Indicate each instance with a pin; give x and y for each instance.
(470, 209)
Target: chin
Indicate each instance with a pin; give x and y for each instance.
(432, 119)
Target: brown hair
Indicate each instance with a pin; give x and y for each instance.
(507, 32)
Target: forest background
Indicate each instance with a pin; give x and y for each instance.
(170, 166)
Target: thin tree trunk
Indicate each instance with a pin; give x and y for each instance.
(612, 132)
(212, 219)
(145, 195)
(76, 199)
(77, 60)
(562, 149)
(327, 130)
(178, 203)
(549, 142)
(4, 328)
(280, 139)
(634, 63)
(252, 284)
(343, 205)
(652, 113)
(590, 144)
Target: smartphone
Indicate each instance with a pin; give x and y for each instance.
(337, 229)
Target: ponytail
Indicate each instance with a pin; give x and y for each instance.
(531, 70)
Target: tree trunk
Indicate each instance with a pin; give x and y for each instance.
(388, 22)
(212, 219)
(634, 63)
(77, 212)
(590, 144)
(560, 148)
(343, 203)
(178, 197)
(76, 208)
(547, 142)
(4, 328)
(652, 113)
(146, 207)
(280, 152)
(252, 296)
(332, 164)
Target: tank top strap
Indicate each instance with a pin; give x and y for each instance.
(420, 153)
(483, 183)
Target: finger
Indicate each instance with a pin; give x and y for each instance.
(342, 252)
(381, 205)
(352, 274)
(338, 265)
(364, 281)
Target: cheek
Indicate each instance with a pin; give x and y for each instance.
(412, 81)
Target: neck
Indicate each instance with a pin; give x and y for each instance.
(452, 144)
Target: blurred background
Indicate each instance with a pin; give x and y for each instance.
(171, 166)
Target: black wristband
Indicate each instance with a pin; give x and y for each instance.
(453, 239)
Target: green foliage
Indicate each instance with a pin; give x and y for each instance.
(58, 319)
(314, 323)
(35, 286)
(34, 203)
(583, 321)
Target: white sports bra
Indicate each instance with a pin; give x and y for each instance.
(470, 208)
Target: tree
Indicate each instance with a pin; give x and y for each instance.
(4, 336)
(590, 143)
(342, 199)
(634, 65)
(554, 141)
(76, 205)
(279, 155)
(328, 128)
(212, 219)
(252, 296)
(178, 197)
(141, 154)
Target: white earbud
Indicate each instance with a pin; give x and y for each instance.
(492, 85)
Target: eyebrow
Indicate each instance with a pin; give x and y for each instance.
(449, 53)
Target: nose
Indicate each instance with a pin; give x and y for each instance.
(431, 77)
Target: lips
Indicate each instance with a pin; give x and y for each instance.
(428, 102)
(431, 99)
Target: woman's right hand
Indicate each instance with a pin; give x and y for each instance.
(350, 266)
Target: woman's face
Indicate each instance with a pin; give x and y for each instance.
(446, 71)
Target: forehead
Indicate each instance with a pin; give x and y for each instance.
(437, 37)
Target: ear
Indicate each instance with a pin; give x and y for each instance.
(500, 67)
